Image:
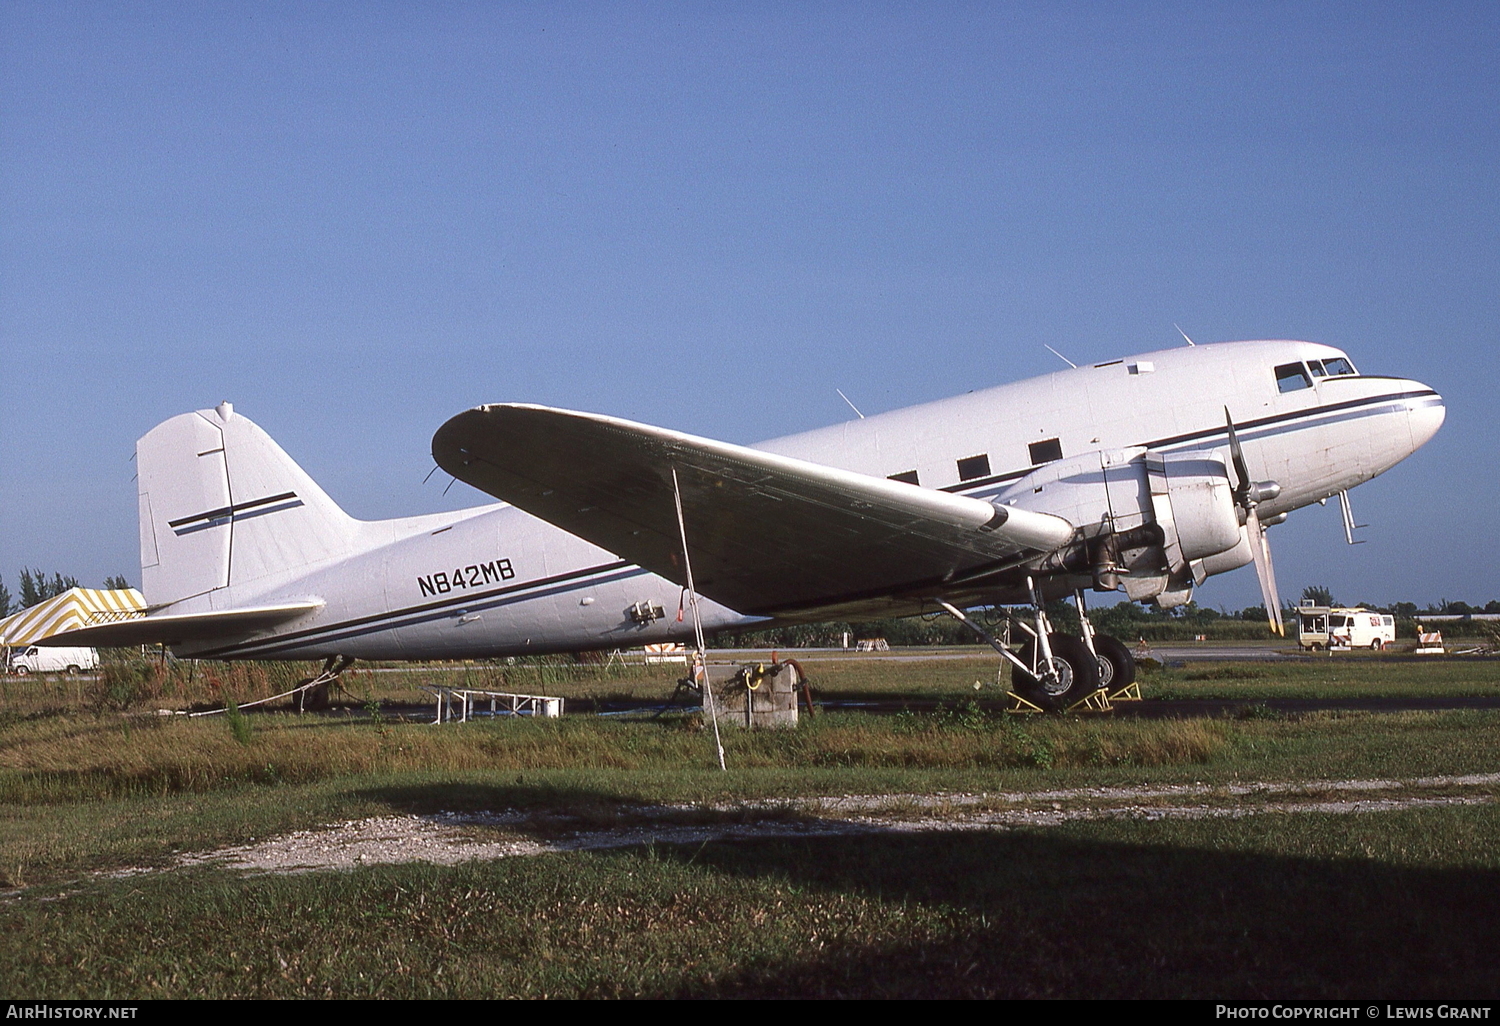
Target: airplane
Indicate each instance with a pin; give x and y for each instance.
(1143, 475)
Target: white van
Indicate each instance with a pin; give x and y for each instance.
(1339, 627)
(44, 659)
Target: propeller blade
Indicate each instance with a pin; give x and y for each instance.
(1241, 471)
(1265, 539)
(1260, 553)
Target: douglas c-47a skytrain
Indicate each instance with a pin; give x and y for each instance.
(1145, 475)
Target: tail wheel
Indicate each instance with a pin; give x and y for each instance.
(1116, 664)
(1075, 674)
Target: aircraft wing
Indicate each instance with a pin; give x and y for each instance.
(768, 534)
(175, 628)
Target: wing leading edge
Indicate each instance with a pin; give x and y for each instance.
(769, 535)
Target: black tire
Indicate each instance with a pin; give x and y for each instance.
(71, 671)
(1078, 673)
(1116, 664)
(21, 671)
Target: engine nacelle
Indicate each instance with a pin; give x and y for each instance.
(1192, 492)
(1169, 518)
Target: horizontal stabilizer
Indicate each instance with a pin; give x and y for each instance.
(176, 628)
(768, 534)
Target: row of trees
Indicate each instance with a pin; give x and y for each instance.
(36, 587)
(1322, 596)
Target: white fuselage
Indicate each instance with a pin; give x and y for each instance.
(496, 581)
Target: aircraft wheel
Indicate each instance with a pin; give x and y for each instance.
(1116, 664)
(1076, 669)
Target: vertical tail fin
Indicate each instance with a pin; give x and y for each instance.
(221, 504)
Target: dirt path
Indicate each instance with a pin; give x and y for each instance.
(451, 838)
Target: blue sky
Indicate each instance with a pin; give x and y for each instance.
(355, 220)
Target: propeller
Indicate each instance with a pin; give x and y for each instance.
(1248, 495)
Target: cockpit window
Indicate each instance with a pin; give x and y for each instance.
(1338, 365)
(1292, 376)
(1316, 366)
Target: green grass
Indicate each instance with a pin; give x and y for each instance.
(1353, 675)
(85, 794)
(1394, 904)
(950, 675)
(1276, 906)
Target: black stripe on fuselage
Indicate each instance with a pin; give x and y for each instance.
(1193, 436)
(438, 610)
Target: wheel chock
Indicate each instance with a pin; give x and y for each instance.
(1022, 706)
(1129, 693)
(1098, 701)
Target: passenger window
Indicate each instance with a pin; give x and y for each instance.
(974, 466)
(1045, 451)
(1292, 376)
(1338, 366)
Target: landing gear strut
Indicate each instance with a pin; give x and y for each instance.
(1053, 671)
(1116, 664)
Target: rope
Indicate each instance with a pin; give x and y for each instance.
(323, 678)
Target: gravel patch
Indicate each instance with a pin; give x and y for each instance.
(450, 838)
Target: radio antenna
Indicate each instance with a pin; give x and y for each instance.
(844, 397)
(1184, 336)
(1060, 356)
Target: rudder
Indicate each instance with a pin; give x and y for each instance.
(221, 503)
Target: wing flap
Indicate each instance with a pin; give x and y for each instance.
(176, 628)
(768, 534)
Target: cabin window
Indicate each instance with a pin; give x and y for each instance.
(907, 476)
(1045, 451)
(1338, 366)
(1292, 376)
(974, 466)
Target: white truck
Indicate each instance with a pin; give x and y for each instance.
(44, 659)
(1320, 627)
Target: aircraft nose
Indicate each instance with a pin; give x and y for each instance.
(1425, 413)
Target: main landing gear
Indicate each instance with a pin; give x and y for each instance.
(1057, 672)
